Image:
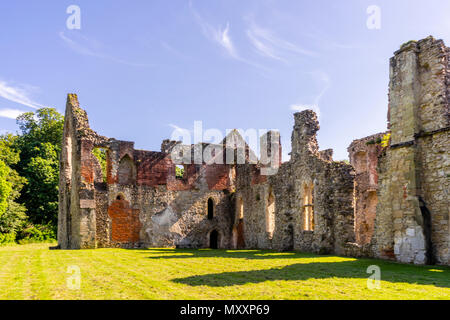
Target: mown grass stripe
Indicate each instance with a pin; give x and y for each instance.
(34, 272)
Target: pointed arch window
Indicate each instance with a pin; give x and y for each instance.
(270, 214)
(308, 207)
(210, 209)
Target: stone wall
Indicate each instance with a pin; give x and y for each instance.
(363, 155)
(390, 202)
(412, 223)
(142, 202)
(331, 205)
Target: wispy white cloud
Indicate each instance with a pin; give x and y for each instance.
(218, 35)
(221, 36)
(325, 81)
(268, 44)
(10, 113)
(263, 48)
(18, 93)
(89, 47)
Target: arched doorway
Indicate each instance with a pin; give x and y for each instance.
(289, 245)
(214, 239)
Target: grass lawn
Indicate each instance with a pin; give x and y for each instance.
(34, 272)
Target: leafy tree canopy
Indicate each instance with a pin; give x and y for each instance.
(40, 147)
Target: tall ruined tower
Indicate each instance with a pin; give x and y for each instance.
(412, 223)
(78, 166)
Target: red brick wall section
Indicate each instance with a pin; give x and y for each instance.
(217, 177)
(110, 178)
(87, 162)
(257, 178)
(125, 222)
(152, 167)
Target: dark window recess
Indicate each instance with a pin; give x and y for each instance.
(210, 208)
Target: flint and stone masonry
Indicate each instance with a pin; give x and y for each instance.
(390, 202)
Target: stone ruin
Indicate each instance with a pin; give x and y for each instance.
(390, 202)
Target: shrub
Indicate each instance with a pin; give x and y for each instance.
(6, 238)
(36, 233)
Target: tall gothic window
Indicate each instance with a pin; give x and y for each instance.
(308, 207)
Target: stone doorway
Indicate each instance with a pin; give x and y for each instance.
(240, 235)
(214, 239)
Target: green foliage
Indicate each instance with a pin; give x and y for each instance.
(45, 125)
(29, 177)
(6, 238)
(7, 152)
(179, 172)
(15, 214)
(100, 154)
(386, 140)
(13, 218)
(40, 148)
(36, 233)
(5, 187)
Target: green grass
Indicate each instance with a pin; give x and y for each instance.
(33, 271)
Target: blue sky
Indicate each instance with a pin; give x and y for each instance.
(142, 68)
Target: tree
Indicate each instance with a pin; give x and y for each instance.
(14, 216)
(40, 147)
(5, 187)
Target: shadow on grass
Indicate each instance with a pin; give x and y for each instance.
(237, 254)
(390, 272)
(351, 268)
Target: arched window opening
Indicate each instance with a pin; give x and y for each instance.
(240, 239)
(270, 214)
(240, 209)
(126, 173)
(101, 154)
(360, 162)
(120, 197)
(210, 209)
(308, 208)
(179, 171)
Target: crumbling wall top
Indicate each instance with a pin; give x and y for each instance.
(80, 122)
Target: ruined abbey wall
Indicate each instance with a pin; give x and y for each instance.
(141, 202)
(391, 201)
(413, 209)
(364, 154)
(313, 203)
